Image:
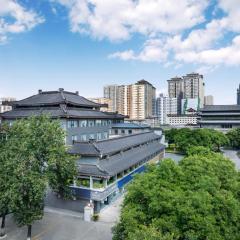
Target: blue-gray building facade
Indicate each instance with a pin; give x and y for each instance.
(81, 118)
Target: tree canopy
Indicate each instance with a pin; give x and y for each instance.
(185, 138)
(234, 138)
(34, 156)
(197, 199)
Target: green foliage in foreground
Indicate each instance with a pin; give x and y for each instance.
(33, 154)
(234, 138)
(197, 199)
(186, 138)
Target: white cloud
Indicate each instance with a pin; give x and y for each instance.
(153, 51)
(232, 9)
(14, 18)
(118, 19)
(229, 55)
(200, 46)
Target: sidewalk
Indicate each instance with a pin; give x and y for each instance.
(111, 214)
(63, 212)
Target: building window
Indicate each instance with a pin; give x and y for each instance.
(91, 123)
(116, 131)
(92, 136)
(98, 122)
(130, 131)
(123, 131)
(83, 137)
(83, 123)
(74, 138)
(72, 123)
(105, 135)
(99, 136)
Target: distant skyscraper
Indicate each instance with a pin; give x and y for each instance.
(105, 101)
(190, 86)
(164, 106)
(124, 100)
(194, 87)
(143, 96)
(175, 90)
(208, 100)
(238, 95)
(137, 101)
(111, 92)
(175, 87)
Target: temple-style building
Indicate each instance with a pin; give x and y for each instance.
(81, 118)
(219, 116)
(105, 164)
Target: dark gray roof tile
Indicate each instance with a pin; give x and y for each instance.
(111, 146)
(58, 112)
(122, 161)
(220, 108)
(51, 98)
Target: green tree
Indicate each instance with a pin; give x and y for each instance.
(185, 138)
(234, 138)
(5, 177)
(197, 199)
(198, 150)
(218, 139)
(170, 134)
(35, 149)
(28, 200)
(61, 174)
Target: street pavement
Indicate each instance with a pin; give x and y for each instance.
(57, 225)
(60, 224)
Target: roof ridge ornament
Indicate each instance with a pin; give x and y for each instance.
(61, 90)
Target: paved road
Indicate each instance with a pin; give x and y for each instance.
(233, 156)
(110, 214)
(60, 226)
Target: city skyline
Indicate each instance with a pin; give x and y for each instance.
(59, 44)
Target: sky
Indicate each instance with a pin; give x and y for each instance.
(82, 45)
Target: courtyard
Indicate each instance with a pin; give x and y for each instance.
(58, 224)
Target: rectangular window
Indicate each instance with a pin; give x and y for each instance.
(74, 138)
(72, 123)
(99, 136)
(105, 135)
(83, 137)
(92, 136)
(83, 123)
(91, 123)
(98, 122)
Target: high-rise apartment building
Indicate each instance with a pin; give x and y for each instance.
(164, 106)
(190, 86)
(143, 97)
(137, 101)
(124, 100)
(111, 92)
(193, 87)
(175, 87)
(208, 100)
(175, 90)
(107, 104)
